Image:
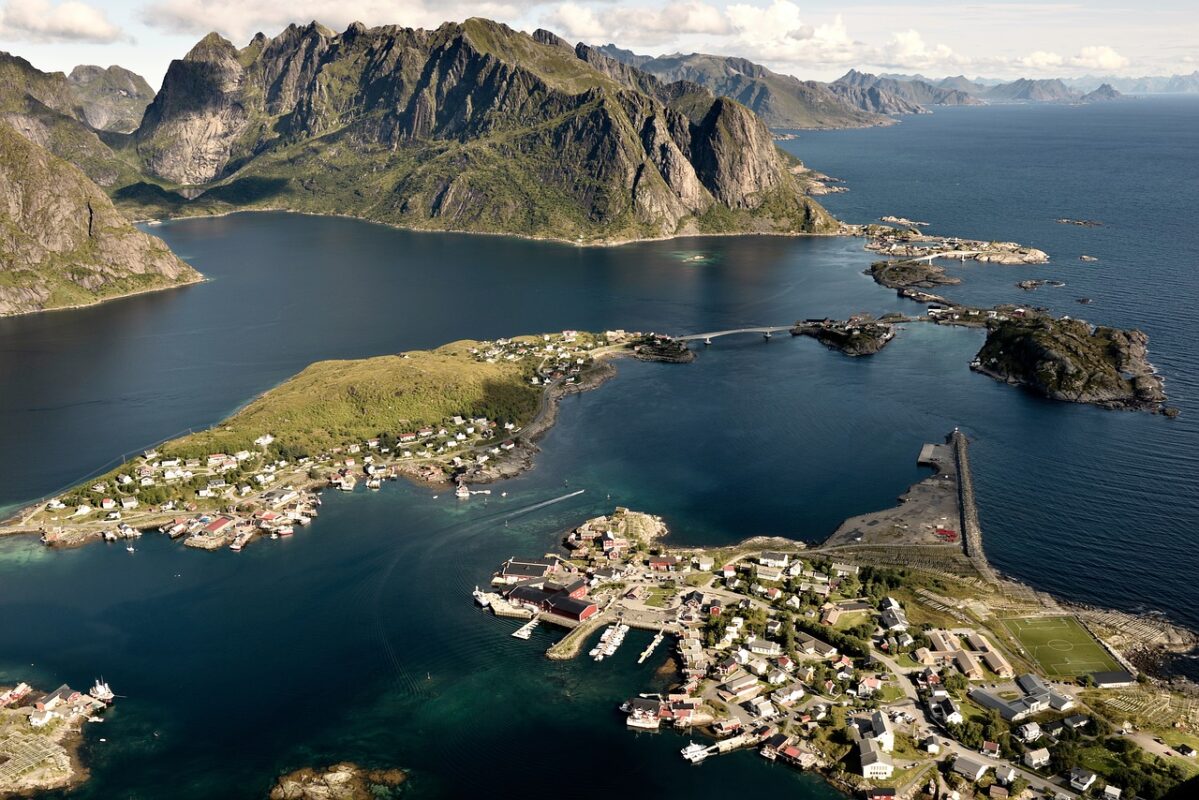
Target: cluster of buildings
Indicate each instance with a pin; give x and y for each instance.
(1035, 696)
(968, 651)
(559, 357)
(64, 703)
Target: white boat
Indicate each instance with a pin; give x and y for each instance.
(481, 597)
(462, 492)
(130, 549)
(695, 753)
(101, 691)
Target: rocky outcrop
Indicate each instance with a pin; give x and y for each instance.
(471, 126)
(62, 243)
(111, 99)
(343, 781)
(1071, 360)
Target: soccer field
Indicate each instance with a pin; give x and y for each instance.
(1062, 646)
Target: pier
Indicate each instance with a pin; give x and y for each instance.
(526, 631)
(651, 647)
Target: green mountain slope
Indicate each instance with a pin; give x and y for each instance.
(471, 126)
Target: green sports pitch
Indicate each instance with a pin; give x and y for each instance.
(1062, 646)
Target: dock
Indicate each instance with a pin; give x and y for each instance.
(653, 645)
(526, 631)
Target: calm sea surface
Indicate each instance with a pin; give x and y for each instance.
(357, 638)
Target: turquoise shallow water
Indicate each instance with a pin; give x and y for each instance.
(357, 639)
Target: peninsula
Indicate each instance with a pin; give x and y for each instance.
(465, 413)
(892, 657)
(40, 735)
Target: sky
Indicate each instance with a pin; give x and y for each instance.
(813, 40)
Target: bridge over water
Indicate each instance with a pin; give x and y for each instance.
(765, 331)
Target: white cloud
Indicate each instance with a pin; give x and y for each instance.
(241, 19)
(1041, 59)
(908, 50)
(628, 24)
(69, 21)
(1099, 57)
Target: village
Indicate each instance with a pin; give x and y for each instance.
(39, 734)
(890, 680)
(217, 500)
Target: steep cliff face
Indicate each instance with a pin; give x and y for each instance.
(62, 242)
(111, 99)
(471, 126)
(188, 132)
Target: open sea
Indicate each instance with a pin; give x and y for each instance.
(357, 639)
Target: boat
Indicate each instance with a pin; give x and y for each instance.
(481, 598)
(462, 492)
(286, 530)
(129, 549)
(695, 753)
(101, 691)
(373, 483)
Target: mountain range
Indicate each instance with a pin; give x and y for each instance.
(472, 126)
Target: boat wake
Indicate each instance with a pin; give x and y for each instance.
(543, 504)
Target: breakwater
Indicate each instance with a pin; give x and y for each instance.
(972, 535)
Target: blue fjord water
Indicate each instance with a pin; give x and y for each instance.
(356, 639)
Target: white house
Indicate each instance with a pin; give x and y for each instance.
(1036, 759)
(876, 764)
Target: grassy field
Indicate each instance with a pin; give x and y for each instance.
(1062, 646)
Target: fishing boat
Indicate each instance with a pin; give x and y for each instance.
(101, 691)
(695, 753)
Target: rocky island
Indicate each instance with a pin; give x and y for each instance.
(1072, 360)
(343, 781)
(856, 336)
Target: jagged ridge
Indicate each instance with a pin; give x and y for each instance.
(471, 126)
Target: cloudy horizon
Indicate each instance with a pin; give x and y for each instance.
(811, 40)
